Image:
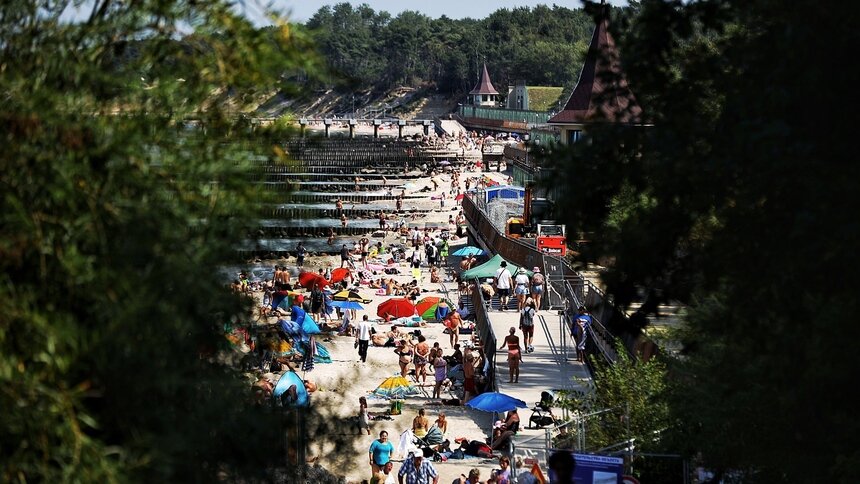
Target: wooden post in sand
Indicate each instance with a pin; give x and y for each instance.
(302, 123)
(376, 124)
(327, 123)
(426, 127)
(400, 124)
(352, 128)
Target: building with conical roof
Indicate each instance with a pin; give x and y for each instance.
(601, 95)
(484, 94)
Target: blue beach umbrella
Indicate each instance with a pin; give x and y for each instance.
(495, 402)
(467, 251)
(347, 305)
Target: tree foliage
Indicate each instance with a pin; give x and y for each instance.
(541, 45)
(115, 215)
(627, 403)
(736, 202)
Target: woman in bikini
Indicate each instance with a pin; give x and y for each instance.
(512, 341)
(420, 424)
(405, 352)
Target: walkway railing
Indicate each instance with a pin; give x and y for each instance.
(485, 331)
(608, 319)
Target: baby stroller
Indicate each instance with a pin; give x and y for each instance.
(542, 412)
(428, 443)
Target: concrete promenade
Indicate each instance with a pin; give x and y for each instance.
(552, 365)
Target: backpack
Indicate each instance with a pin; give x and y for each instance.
(527, 317)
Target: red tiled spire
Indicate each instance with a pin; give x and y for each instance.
(602, 93)
(484, 86)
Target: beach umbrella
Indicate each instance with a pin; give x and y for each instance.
(395, 387)
(396, 308)
(495, 402)
(347, 305)
(310, 279)
(426, 307)
(459, 197)
(347, 295)
(339, 274)
(468, 251)
(286, 302)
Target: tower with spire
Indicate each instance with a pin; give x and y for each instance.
(484, 94)
(601, 95)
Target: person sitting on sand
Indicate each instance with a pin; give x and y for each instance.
(310, 386)
(262, 389)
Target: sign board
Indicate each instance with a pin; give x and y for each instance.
(629, 480)
(595, 469)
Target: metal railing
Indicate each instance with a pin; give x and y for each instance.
(485, 331)
(581, 292)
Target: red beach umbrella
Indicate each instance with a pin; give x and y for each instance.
(339, 274)
(459, 197)
(396, 308)
(310, 279)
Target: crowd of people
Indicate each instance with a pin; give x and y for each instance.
(423, 360)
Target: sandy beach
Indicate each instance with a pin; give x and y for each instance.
(341, 382)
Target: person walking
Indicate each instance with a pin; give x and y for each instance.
(521, 288)
(363, 416)
(527, 324)
(381, 452)
(512, 342)
(417, 470)
(317, 299)
(503, 282)
(362, 338)
(454, 324)
(344, 255)
(538, 284)
(580, 332)
(300, 254)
